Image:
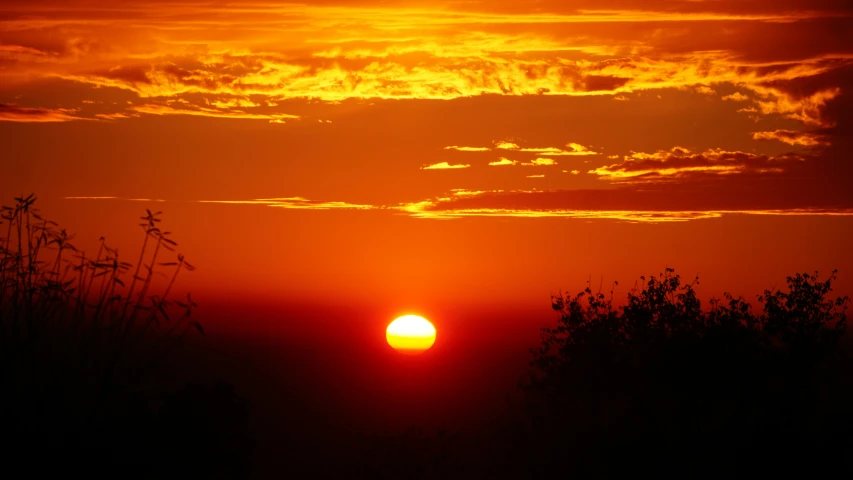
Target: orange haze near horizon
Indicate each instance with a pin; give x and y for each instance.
(460, 159)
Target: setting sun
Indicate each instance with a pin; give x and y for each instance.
(410, 334)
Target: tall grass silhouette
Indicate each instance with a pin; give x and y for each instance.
(46, 282)
(55, 299)
(86, 343)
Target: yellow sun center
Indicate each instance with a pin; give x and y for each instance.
(410, 334)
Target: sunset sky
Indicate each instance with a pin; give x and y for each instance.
(440, 158)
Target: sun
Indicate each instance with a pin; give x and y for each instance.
(410, 334)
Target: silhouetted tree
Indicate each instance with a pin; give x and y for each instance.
(659, 384)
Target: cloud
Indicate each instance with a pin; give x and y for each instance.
(468, 149)
(537, 162)
(807, 109)
(736, 97)
(680, 163)
(15, 113)
(786, 61)
(265, 53)
(461, 192)
(536, 176)
(570, 149)
(505, 145)
(91, 198)
(155, 109)
(790, 137)
(133, 75)
(625, 203)
(503, 161)
(578, 149)
(112, 116)
(296, 203)
(628, 203)
(279, 76)
(117, 198)
(290, 203)
(444, 166)
(20, 50)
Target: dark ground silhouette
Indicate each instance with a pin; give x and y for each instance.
(661, 385)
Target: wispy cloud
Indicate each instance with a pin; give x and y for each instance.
(570, 149)
(736, 97)
(93, 198)
(680, 162)
(808, 109)
(117, 198)
(113, 116)
(503, 161)
(538, 162)
(444, 166)
(468, 149)
(15, 113)
(296, 203)
(623, 204)
(791, 137)
(535, 203)
(154, 109)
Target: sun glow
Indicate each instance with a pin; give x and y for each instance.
(410, 334)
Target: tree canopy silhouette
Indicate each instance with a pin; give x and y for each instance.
(661, 382)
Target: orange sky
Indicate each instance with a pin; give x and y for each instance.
(412, 156)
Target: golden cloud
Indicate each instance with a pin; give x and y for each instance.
(790, 137)
(505, 145)
(444, 166)
(503, 161)
(537, 162)
(486, 204)
(680, 162)
(296, 203)
(458, 205)
(468, 149)
(264, 53)
(154, 109)
(807, 109)
(736, 97)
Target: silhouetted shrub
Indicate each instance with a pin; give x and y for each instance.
(660, 384)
